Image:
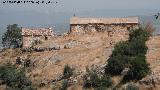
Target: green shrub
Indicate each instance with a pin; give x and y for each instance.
(138, 69)
(140, 33)
(14, 78)
(116, 64)
(105, 81)
(132, 87)
(130, 54)
(64, 85)
(91, 78)
(68, 71)
(98, 82)
(12, 38)
(136, 47)
(121, 49)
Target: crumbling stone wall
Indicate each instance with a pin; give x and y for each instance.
(115, 32)
(35, 36)
(29, 41)
(80, 25)
(79, 29)
(111, 28)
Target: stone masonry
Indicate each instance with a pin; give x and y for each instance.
(110, 25)
(32, 35)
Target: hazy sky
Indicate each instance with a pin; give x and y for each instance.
(85, 5)
(38, 15)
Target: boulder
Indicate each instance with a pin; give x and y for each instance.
(70, 44)
(58, 47)
(154, 78)
(55, 58)
(124, 72)
(55, 47)
(72, 80)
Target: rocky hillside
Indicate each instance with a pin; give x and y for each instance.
(79, 52)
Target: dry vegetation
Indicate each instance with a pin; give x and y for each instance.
(92, 49)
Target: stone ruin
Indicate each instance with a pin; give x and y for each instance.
(110, 25)
(32, 36)
(117, 29)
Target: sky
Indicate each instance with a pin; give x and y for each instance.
(42, 14)
(59, 14)
(84, 5)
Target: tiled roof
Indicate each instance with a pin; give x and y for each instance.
(37, 32)
(79, 20)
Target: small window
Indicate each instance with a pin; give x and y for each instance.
(110, 33)
(128, 28)
(46, 38)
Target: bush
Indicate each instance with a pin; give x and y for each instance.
(99, 82)
(140, 33)
(121, 49)
(12, 38)
(14, 78)
(64, 85)
(138, 69)
(68, 71)
(130, 54)
(136, 47)
(91, 80)
(116, 64)
(105, 81)
(132, 87)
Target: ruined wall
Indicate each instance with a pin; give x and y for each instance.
(32, 36)
(28, 41)
(115, 32)
(77, 29)
(80, 29)
(120, 33)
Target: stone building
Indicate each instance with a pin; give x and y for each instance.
(110, 25)
(32, 36)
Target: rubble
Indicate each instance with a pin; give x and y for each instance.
(72, 80)
(124, 72)
(70, 44)
(27, 49)
(58, 78)
(31, 35)
(53, 46)
(154, 78)
(44, 82)
(58, 47)
(39, 49)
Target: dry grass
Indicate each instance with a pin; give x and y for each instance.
(91, 51)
